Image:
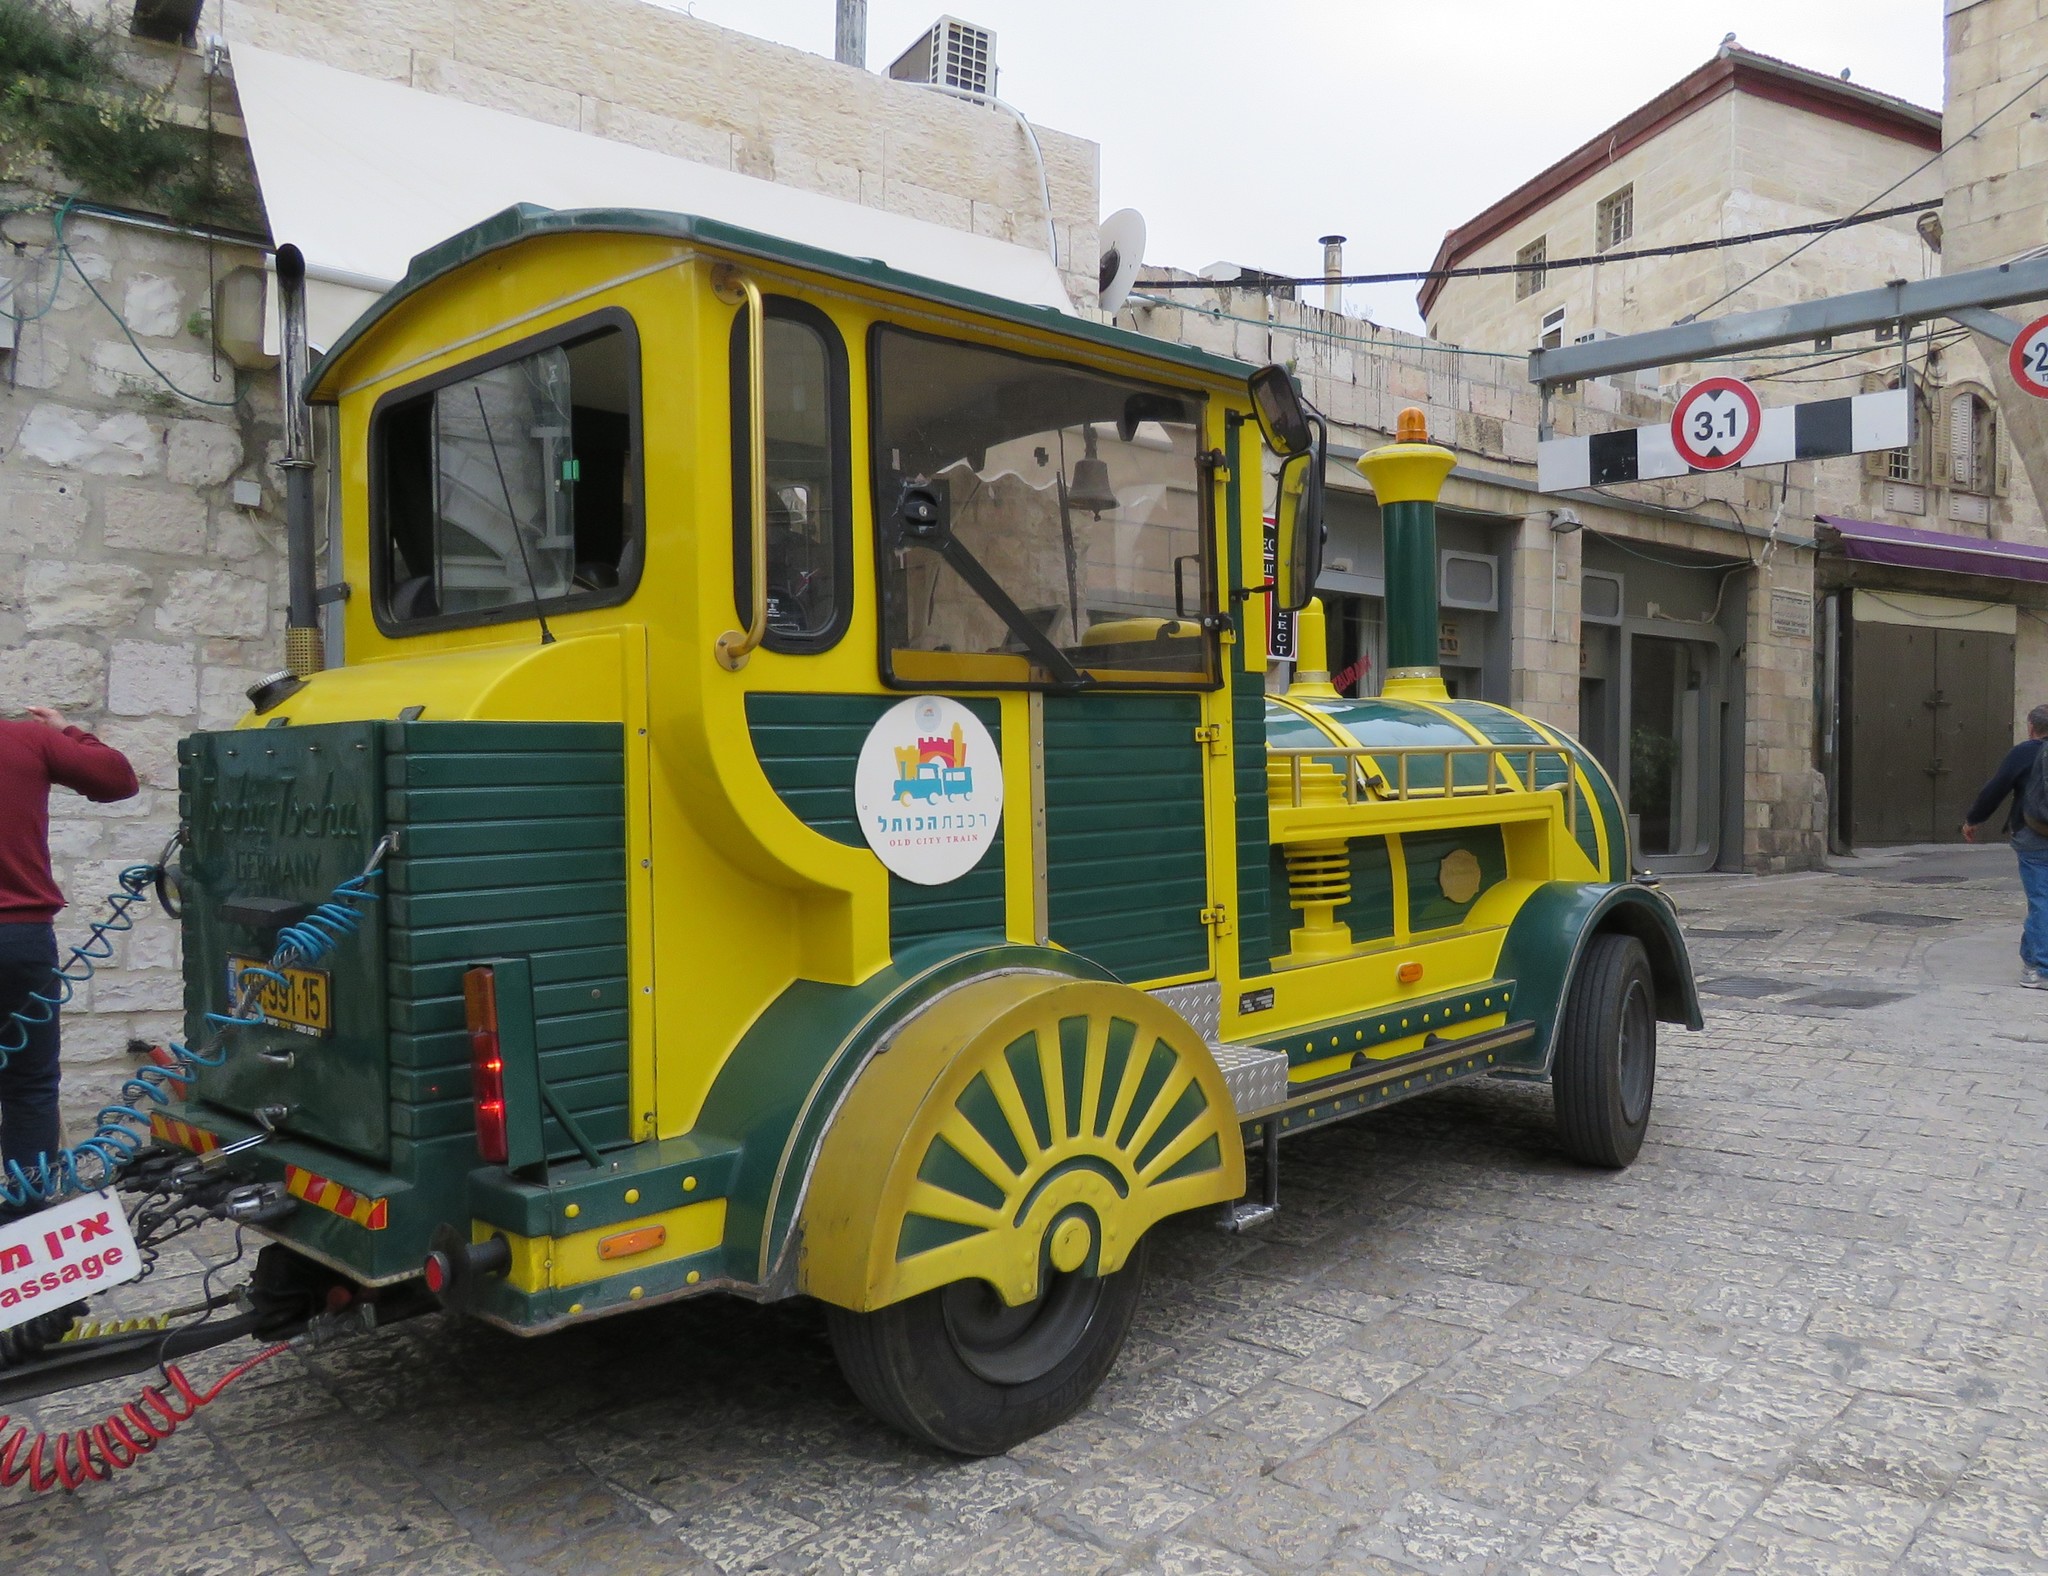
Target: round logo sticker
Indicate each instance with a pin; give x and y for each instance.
(929, 790)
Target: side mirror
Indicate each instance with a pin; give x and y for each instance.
(1298, 523)
(1277, 403)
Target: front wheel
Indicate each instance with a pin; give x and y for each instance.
(962, 1370)
(1606, 1068)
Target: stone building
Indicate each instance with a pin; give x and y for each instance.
(1921, 673)
(1538, 590)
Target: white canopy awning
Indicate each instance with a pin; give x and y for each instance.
(361, 175)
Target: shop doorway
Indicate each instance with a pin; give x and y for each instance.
(1671, 771)
(1930, 717)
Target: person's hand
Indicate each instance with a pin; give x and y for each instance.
(48, 716)
(1969, 833)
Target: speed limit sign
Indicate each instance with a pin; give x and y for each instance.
(1716, 423)
(2029, 358)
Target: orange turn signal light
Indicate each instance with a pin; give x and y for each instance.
(627, 1243)
(1409, 973)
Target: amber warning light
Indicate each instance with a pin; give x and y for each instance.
(486, 1064)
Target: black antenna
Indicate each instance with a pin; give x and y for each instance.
(547, 637)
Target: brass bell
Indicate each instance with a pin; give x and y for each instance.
(1090, 488)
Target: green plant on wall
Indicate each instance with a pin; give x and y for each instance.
(69, 109)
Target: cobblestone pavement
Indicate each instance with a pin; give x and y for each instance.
(1803, 1333)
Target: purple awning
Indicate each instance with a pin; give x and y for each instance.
(1908, 547)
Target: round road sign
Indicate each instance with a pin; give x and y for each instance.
(1716, 423)
(2029, 358)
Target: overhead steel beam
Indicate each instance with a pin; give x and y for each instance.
(1902, 301)
(1995, 325)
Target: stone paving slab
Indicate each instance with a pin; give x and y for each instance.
(1804, 1333)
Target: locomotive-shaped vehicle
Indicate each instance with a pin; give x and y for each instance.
(838, 840)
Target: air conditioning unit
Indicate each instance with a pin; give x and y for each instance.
(952, 54)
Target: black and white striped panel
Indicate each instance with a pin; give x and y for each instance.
(1817, 430)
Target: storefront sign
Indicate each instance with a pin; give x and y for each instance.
(1791, 614)
(929, 790)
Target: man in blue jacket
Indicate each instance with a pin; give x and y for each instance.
(2008, 782)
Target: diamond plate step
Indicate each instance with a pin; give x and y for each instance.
(1255, 1077)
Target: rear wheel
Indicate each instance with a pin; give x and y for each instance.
(1606, 1069)
(959, 1368)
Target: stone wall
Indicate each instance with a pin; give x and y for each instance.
(135, 594)
(659, 79)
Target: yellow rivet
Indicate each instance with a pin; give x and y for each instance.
(693, 1277)
(573, 1211)
(575, 1307)
(1333, 1039)
(632, 1195)
(689, 1184)
(1071, 1240)
(637, 1293)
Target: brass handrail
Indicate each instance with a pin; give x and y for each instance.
(1365, 764)
(736, 645)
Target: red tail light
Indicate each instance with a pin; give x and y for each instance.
(486, 1064)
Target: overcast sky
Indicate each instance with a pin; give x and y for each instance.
(1244, 129)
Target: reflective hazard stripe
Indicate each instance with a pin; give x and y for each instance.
(169, 1130)
(371, 1213)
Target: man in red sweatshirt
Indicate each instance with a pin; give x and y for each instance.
(33, 755)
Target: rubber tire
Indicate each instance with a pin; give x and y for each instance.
(1586, 1081)
(901, 1362)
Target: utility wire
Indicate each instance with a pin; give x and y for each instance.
(1858, 216)
(1592, 260)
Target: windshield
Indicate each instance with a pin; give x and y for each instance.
(1070, 545)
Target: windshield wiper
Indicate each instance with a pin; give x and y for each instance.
(547, 636)
(922, 520)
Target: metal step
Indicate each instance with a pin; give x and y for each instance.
(1255, 1077)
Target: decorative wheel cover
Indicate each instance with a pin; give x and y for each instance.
(1019, 1124)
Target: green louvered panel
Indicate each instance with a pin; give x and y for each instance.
(1126, 862)
(512, 842)
(808, 746)
(1261, 921)
(1424, 854)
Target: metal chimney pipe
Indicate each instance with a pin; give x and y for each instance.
(850, 40)
(302, 646)
(1333, 270)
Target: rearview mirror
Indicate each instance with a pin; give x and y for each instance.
(1298, 523)
(1277, 403)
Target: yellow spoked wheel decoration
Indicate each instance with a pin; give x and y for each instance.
(1021, 1123)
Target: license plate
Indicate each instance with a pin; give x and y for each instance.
(301, 1003)
(62, 1254)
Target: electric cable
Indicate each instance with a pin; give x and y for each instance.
(64, 251)
(1589, 260)
(93, 1164)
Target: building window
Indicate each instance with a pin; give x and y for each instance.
(1553, 330)
(1614, 221)
(1530, 260)
(1972, 443)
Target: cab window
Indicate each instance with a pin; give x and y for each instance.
(511, 482)
(810, 542)
(1040, 524)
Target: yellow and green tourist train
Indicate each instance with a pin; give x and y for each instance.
(840, 839)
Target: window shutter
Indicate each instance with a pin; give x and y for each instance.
(1961, 457)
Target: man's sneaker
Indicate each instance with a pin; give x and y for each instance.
(2033, 979)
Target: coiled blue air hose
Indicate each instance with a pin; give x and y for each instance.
(124, 1126)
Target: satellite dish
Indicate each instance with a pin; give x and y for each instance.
(1122, 241)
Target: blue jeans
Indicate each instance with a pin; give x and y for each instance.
(28, 1083)
(2034, 878)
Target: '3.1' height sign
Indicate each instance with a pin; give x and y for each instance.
(1716, 423)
